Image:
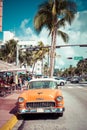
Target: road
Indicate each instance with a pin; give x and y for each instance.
(74, 118)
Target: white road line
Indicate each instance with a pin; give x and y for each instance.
(73, 87)
(79, 87)
(70, 87)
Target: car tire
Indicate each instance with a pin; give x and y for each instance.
(62, 84)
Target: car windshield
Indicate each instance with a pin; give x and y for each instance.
(42, 85)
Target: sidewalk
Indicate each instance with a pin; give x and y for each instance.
(8, 111)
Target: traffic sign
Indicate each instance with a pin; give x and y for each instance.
(78, 58)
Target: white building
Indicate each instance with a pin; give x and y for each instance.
(38, 68)
(7, 35)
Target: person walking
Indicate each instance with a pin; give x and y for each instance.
(20, 82)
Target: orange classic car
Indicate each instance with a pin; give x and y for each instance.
(42, 96)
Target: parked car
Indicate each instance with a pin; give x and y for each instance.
(75, 80)
(60, 81)
(68, 78)
(42, 96)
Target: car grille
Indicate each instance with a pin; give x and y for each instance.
(40, 104)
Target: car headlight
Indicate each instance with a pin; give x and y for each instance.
(21, 99)
(59, 98)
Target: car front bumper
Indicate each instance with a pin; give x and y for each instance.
(41, 110)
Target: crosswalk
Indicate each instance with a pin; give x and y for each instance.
(73, 86)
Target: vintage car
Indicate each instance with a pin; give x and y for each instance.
(42, 96)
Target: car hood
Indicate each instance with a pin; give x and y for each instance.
(41, 94)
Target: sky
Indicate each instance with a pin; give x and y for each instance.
(18, 17)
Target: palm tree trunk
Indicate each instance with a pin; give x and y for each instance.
(52, 53)
(53, 42)
(33, 68)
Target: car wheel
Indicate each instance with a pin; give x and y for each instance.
(62, 84)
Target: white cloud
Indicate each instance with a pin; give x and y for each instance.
(24, 23)
(44, 36)
(78, 29)
(77, 35)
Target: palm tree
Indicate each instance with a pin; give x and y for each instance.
(39, 54)
(53, 15)
(8, 53)
(82, 67)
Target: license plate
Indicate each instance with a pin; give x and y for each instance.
(40, 110)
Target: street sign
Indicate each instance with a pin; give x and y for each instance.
(78, 58)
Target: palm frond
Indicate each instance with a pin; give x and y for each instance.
(69, 16)
(64, 36)
(61, 23)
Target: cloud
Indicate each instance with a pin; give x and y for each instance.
(25, 32)
(77, 35)
(78, 29)
(23, 24)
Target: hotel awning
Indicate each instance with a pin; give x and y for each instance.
(6, 67)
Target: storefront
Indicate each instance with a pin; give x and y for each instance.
(8, 74)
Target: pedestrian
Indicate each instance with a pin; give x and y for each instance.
(16, 81)
(20, 82)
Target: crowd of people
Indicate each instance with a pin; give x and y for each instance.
(16, 81)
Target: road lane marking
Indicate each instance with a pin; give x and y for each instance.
(79, 87)
(73, 87)
(70, 87)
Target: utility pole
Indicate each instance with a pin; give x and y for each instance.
(17, 54)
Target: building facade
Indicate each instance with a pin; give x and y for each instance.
(21, 44)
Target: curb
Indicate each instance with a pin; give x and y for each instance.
(10, 123)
